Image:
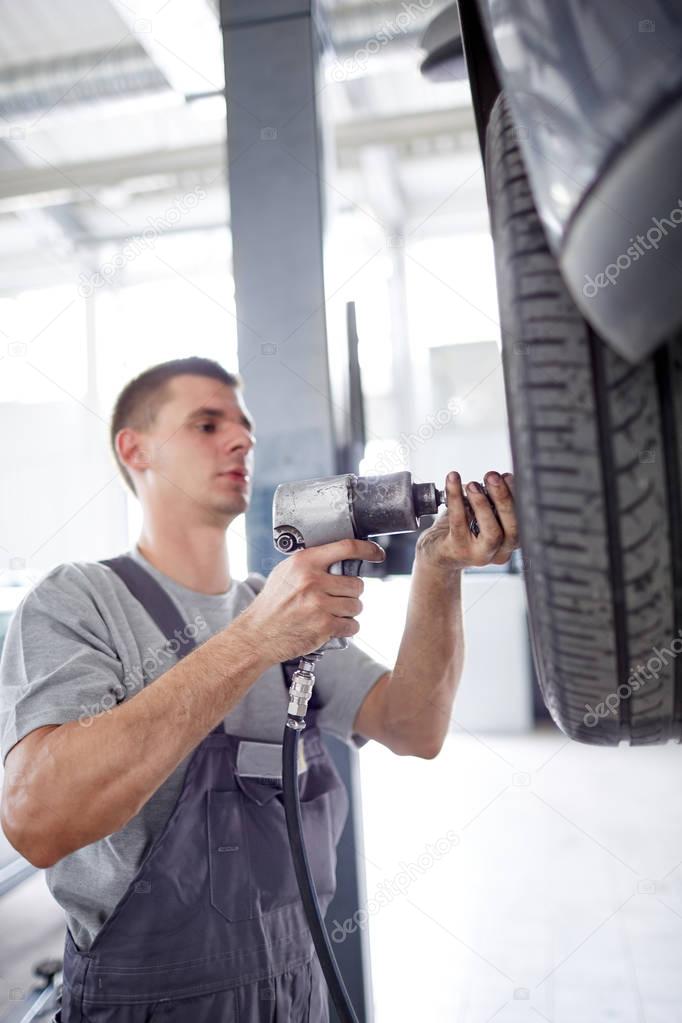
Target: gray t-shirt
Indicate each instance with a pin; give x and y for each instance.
(79, 643)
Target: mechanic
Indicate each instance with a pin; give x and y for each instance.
(131, 763)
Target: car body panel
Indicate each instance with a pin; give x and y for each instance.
(593, 86)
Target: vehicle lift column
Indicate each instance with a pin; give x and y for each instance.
(272, 55)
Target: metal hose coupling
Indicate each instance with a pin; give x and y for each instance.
(300, 691)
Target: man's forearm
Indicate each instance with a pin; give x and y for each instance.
(428, 668)
(80, 784)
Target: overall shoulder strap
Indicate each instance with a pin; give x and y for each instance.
(152, 596)
(156, 603)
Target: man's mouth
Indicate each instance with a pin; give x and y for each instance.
(239, 475)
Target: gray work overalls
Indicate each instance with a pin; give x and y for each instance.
(211, 928)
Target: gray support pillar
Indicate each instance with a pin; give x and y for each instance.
(271, 60)
(276, 217)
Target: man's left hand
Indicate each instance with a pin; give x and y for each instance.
(449, 542)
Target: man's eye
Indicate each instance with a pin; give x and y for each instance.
(211, 425)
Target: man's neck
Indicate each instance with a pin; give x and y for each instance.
(195, 558)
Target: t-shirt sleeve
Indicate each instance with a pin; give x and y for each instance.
(343, 679)
(58, 663)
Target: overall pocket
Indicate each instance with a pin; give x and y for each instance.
(228, 860)
(251, 870)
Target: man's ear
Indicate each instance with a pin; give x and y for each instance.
(131, 449)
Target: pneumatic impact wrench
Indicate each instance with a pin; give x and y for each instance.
(348, 507)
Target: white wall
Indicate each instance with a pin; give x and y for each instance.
(61, 498)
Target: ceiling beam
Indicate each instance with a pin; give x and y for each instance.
(47, 186)
(32, 187)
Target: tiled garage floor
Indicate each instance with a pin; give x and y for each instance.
(557, 896)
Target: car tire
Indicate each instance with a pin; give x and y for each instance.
(596, 454)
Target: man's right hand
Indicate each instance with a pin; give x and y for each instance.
(302, 604)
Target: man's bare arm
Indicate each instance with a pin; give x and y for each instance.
(409, 709)
(67, 786)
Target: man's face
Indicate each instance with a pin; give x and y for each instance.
(201, 447)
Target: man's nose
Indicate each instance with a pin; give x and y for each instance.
(243, 440)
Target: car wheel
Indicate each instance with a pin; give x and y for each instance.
(596, 453)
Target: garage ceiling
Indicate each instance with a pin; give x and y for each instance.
(110, 109)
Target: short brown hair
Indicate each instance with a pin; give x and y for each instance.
(138, 404)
